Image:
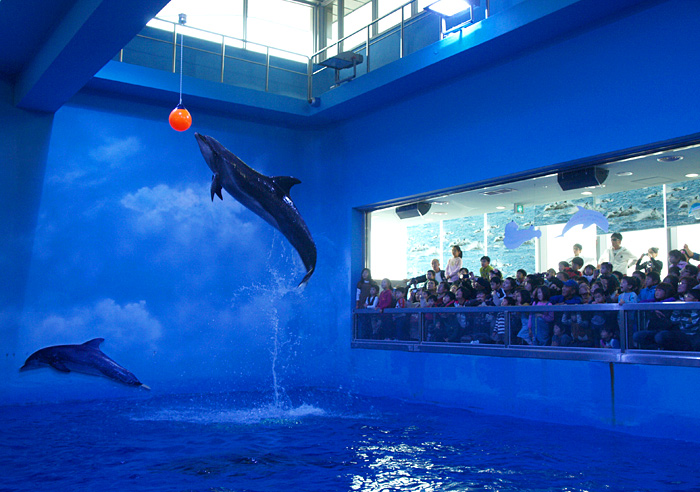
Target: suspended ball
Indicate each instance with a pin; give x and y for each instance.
(180, 119)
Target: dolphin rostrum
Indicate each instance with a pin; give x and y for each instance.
(267, 196)
(86, 359)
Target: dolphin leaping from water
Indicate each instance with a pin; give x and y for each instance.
(267, 196)
(86, 359)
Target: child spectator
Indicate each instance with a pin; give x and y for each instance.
(647, 293)
(386, 298)
(486, 268)
(629, 288)
(455, 263)
(589, 273)
(497, 291)
(523, 298)
(539, 323)
(608, 338)
(499, 329)
(371, 300)
(584, 292)
(559, 338)
(520, 277)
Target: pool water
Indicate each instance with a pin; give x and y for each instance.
(319, 441)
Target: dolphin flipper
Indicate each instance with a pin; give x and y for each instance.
(59, 366)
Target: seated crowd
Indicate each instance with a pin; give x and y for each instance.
(573, 284)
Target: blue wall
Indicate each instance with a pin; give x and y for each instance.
(127, 245)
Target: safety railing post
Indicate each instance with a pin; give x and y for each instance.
(267, 69)
(401, 36)
(310, 79)
(223, 56)
(367, 48)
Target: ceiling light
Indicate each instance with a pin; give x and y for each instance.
(440, 203)
(500, 207)
(624, 173)
(670, 158)
(691, 175)
(586, 192)
(439, 213)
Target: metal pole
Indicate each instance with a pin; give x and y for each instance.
(310, 80)
(401, 37)
(223, 56)
(367, 49)
(267, 69)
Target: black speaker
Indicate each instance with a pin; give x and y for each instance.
(580, 178)
(413, 210)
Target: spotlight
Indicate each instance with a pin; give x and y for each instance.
(455, 13)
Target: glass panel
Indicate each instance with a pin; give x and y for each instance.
(211, 15)
(386, 6)
(665, 329)
(355, 20)
(281, 24)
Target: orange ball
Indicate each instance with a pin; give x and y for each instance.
(180, 119)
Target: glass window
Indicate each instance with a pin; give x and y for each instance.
(386, 6)
(533, 224)
(281, 24)
(210, 15)
(354, 20)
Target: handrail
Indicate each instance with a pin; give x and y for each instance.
(625, 354)
(225, 39)
(267, 50)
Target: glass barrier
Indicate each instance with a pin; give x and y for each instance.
(595, 328)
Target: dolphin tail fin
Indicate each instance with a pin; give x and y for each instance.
(216, 187)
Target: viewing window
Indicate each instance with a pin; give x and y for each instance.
(648, 199)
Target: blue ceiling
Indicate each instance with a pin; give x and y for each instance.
(51, 48)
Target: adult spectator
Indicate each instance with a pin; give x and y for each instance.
(620, 257)
(651, 264)
(569, 294)
(363, 287)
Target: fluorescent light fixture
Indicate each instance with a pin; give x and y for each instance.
(500, 207)
(449, 8)
(586, 192)
(691, 175)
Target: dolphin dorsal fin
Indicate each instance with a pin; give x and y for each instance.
(285, 183)
(94, 343)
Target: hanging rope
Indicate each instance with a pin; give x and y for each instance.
(182, 50)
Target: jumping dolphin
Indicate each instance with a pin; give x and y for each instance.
(586, 218)
(267, 196)
(86, 359)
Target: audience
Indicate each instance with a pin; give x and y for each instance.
(662, 329)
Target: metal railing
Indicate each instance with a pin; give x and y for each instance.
(647, 333)
(272, 53)
(371, 39)
(232, 42)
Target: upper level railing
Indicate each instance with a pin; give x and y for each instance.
(650, 333)
(235, 61)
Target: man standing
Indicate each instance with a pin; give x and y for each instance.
(620, 257)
